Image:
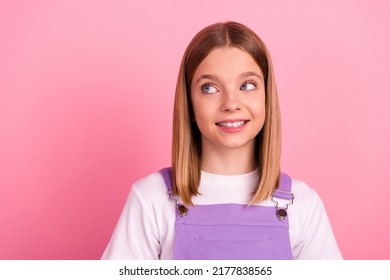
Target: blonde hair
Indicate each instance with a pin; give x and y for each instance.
(186, 139)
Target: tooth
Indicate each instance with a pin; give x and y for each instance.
(232, 124)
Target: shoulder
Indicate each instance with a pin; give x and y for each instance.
(307, 205)
(306, 201)
(311, 233)
(150, 187)
(145, 227)
(148, 194)
(149, 197)
(302, 191)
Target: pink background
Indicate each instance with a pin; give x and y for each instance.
(86, 96)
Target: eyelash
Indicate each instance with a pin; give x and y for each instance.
(206, 85)
(210, 84)
(250, 82)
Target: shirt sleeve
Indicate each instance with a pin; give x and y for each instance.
(136, 235)
(316, 241)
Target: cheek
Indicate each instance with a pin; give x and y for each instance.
(202, 115)
(197, 110)
(259, 113)
(202, 110)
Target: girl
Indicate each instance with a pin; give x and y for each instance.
(224, 197)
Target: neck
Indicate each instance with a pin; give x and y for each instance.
(228, 161)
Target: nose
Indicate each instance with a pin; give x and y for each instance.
(230, 101)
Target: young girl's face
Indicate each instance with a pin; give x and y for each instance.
(228, 98)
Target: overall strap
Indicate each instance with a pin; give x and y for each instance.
(283, 192)
(166, 173)
(284, 189)
(167, 176)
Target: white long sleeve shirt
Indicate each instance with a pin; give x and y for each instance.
(146, 227)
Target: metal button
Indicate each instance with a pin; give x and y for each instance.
(281, 214)
(182, 210)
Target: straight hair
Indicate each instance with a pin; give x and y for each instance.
(186, 137)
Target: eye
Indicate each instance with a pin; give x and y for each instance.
(208, 88)
(248, 86)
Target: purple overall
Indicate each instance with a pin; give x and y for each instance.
(232, 231)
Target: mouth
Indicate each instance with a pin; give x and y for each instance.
(232, 123)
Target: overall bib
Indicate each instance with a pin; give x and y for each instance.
(233, 231)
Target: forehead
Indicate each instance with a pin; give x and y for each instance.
(227, 61)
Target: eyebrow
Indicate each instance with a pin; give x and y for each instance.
(207, 77)
(250, 74)
(215, 78)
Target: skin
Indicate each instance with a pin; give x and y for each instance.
(228, 86)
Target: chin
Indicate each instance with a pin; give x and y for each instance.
(236, 145)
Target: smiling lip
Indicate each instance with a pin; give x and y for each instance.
(232, 126)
